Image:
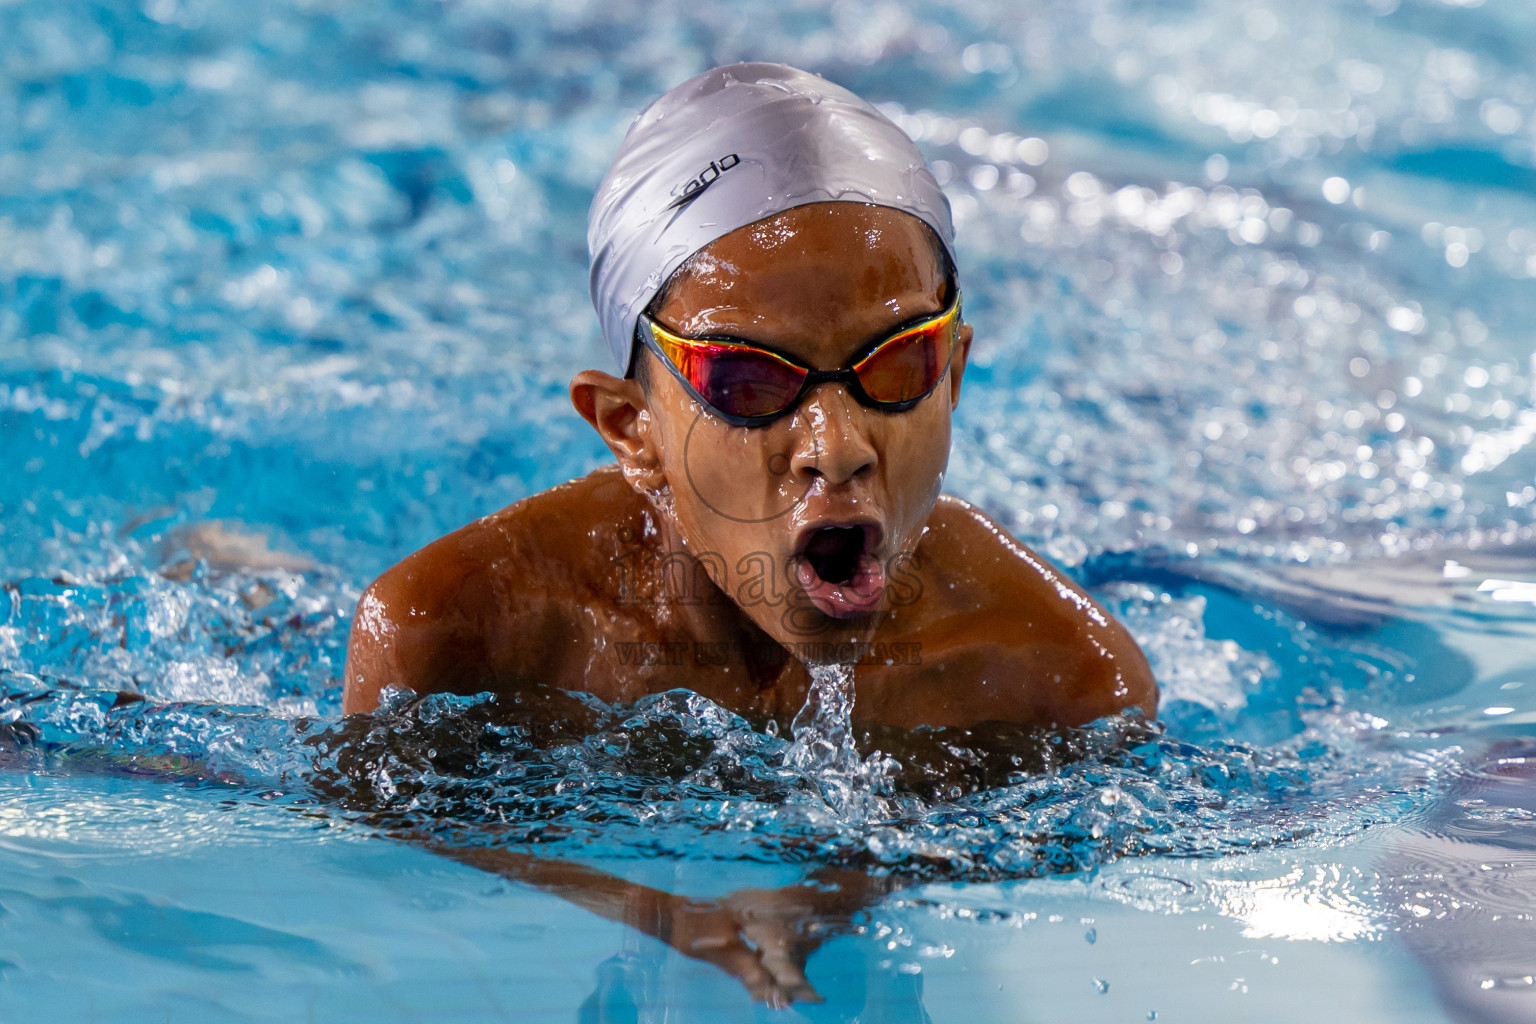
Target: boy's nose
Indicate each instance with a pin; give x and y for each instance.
(832, 441)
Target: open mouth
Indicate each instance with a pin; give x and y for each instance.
(834, 552)
(839, 572)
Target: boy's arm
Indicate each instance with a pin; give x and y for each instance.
(1080, 663)
(761, 937)
(439, 621)
(373, 654)
(388, 646)
(496, 602)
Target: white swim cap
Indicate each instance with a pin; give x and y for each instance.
(728, 148)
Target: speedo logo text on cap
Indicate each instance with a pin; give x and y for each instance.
(694, 187)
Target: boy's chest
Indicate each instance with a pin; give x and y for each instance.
(757, 681)
(950, 686)
(917, 669)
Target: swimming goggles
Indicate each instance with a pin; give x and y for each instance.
(747, 385)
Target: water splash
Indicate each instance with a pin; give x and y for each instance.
(675, 775)
(856, 789)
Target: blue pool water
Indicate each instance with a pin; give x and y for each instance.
(289, 288)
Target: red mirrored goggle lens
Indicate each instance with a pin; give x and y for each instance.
(738, 380)
(907, 365)
(746, 382)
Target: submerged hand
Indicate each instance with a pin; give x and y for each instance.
(755, 935)
(761, 937)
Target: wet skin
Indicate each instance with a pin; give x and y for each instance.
(695, 562)
(696, 541)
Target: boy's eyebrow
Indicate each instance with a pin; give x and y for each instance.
(864, 347)
(947, 292)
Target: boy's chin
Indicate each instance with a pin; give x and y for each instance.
(812, 636)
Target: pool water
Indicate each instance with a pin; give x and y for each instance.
(290, 288)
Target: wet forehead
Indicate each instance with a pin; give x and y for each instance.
(818, 281)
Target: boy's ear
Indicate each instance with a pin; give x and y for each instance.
(618, 410)
(957, 363)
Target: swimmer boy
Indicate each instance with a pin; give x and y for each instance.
(773, 269)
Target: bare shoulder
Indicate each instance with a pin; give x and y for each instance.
(992, 591)
(977, 554)
(458, 613)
